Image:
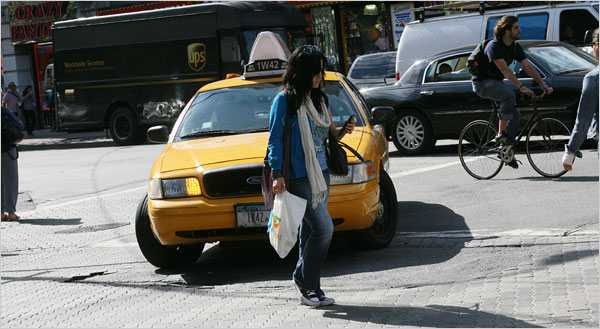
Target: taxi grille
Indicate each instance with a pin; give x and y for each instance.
(233, 181)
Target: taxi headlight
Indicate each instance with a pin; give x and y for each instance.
(174, 188)
(357, 173)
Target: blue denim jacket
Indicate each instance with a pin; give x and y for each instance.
(275, 145)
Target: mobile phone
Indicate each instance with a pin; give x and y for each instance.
(351, 118)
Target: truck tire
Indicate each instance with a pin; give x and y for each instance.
(154, 252)
(412, 133)
(381, 233)
(124, 129)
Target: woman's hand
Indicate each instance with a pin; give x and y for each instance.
(350, 127)
(278, 185)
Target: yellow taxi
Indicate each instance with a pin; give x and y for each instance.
(205, 185)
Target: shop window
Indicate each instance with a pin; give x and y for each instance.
(325, 36)
(44, 60)
(574, 23)
(366, 30)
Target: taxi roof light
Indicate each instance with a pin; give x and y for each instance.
(268, 57)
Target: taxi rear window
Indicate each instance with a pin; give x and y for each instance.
(246, 109)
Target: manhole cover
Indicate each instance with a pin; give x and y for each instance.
(92, 228)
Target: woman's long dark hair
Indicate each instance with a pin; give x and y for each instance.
(303, 65)
(26, 89)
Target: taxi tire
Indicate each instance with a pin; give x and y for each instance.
(381, 233)
(154, 252)
(125, 118)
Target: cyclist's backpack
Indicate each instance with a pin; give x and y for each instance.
(12, 128)
(478, 62)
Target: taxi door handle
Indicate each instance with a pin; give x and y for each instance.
(427, 93)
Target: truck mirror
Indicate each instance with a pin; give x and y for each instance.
(587, 39)
(158, 134)
(382, 114)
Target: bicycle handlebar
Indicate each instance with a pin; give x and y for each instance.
(540, 96)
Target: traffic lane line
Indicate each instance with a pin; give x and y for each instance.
(426, 169)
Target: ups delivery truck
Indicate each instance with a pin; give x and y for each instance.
(128, 72)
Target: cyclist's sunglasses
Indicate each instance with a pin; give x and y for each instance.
(309, 49)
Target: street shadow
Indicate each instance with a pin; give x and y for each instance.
(50, 221)
(416, 216)
(75, 143)
(428, 316)
(561, 179)
(570, 256)
(254, 261)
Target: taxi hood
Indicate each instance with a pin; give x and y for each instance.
(232, 148)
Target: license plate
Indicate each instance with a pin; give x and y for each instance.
(251, 215)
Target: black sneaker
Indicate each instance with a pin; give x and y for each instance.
(310, 298)
(504, 139)
(324, 300)
(513, 164)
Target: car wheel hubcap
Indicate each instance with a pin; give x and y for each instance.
(122, 127)
(410, 132)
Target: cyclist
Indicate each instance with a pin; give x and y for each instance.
(587, 110)
(501, 51)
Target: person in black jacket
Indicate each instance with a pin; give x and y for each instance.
(10, 172)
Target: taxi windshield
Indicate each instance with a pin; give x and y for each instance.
(246, 109)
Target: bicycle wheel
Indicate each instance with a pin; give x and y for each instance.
(545, 146)
(477, 151)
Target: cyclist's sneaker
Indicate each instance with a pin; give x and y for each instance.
(310, 298)
(324, 300)
(504, 139)
(513, 164)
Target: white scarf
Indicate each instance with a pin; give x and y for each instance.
(313, 169)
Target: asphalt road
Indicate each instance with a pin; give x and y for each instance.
(434, 192)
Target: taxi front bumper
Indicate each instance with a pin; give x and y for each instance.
(200, 219)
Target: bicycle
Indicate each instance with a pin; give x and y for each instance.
(483, 158)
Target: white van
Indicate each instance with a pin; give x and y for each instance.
(435, 35)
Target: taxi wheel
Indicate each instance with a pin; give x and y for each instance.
(381, 233)
(157, 254)
(412, 133)
(124, 129)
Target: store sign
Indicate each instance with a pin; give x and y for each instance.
(32, 21)
(402, 14)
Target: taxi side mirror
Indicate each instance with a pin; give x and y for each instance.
(158, 134)
(382, 114)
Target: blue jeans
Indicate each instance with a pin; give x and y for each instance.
(587, 110)
(500, 93)
(316, 232)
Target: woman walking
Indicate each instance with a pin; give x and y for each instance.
(301, 103)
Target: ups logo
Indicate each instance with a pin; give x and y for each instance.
(196, 56)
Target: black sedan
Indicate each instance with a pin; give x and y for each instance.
(434, 98)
